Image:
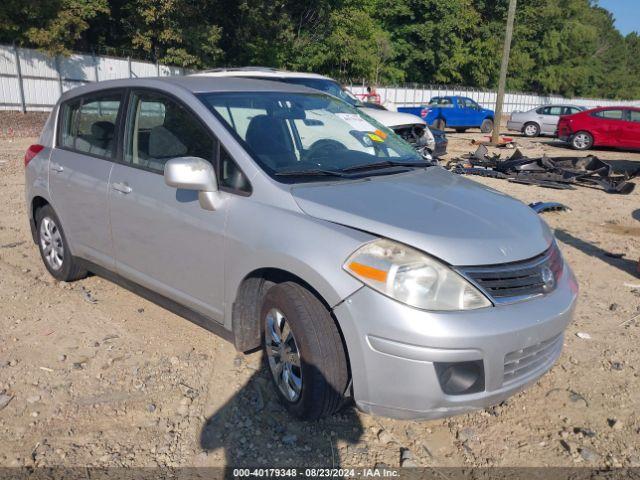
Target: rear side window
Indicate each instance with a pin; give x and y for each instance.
(440, 102)
(634, 115)
(88, 125)
(69, 113)
(613, 114)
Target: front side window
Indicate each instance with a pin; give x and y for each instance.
(159, 129)
(468, 103)
(291, 133)
(89, 125)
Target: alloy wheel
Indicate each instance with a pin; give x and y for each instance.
(283, 355)
(530, 130)
(581, 141)
(51, 243)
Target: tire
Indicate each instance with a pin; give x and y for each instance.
(439, 124)
(54, 248)
(582, 140)
(461, 130)
(486, 126)
(531, 129)
(322, 372)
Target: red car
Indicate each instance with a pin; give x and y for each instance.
(602, 127)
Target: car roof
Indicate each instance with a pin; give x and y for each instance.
(262, 72)
(192, 83)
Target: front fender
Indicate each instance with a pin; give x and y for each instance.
(311, 249)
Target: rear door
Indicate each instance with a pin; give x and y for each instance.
(164, 240)
(631, 134)
(80, 166)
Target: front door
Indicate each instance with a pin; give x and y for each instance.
(80, 166)
(163, 239)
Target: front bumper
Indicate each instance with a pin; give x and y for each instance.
(393, 349)
(515, 126)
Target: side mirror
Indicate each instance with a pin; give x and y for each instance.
(194, 173)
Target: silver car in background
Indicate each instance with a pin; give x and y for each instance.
(281, 217)
(540, 120)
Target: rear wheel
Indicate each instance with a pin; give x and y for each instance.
(582, 141)
(486, 126)
(439, 124)
(531, 129)
(304, 351)
(54, 248)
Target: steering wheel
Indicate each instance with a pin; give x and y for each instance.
(323, 148)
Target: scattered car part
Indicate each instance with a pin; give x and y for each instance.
(541, 207)
(550, 172)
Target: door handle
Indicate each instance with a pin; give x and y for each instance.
(56, 168)
(121, 187)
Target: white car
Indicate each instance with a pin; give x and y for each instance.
(410, 127)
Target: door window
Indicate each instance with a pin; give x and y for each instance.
(159, 129)
(634, 115)
(612, 114)
(557, 111)
(88, 126)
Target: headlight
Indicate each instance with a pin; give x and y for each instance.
(411, 277)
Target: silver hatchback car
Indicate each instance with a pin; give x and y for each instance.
(278, 216)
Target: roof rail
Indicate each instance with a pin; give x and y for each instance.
(239, 69)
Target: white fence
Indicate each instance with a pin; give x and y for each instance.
(394, 97)
(32, 81)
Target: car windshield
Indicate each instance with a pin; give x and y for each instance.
(329, 86)
(294, 136)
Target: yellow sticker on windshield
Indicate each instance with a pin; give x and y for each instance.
(375, 138)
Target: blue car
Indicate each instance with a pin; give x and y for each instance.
(455, 112)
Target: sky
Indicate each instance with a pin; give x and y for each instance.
(625, 12)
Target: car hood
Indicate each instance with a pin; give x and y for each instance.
(392, 119)
(454, 219)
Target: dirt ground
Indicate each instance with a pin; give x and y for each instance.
(93, 375)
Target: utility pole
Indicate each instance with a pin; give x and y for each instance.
(495, 136)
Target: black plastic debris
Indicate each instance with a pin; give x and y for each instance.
(550, 172)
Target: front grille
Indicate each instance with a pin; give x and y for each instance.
(510, 282)
(521, 362)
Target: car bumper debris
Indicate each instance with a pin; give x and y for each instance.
(550, 172)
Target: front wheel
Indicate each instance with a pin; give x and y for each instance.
(486, 126)
(304, 351)
(582, 141)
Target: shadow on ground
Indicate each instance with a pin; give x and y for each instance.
(626, 265)
(255, 430)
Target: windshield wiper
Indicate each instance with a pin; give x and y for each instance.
(384, 164)
(311, 172)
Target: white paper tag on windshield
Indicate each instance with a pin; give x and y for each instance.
(357, 122)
